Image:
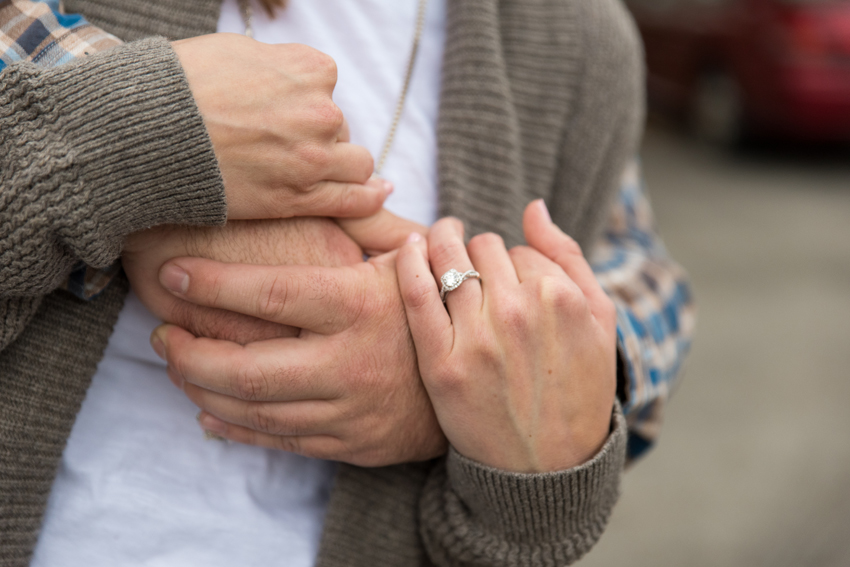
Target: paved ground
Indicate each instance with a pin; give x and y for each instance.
(753, 467)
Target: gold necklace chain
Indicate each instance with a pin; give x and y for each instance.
(247, 12)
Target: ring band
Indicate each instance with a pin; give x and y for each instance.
(452, 279)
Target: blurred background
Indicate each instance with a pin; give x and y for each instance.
(747, 162)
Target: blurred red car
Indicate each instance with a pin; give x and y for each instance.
(765, 67)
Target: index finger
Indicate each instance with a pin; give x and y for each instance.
(320, 299)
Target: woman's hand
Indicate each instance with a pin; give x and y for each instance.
(521, 370)
(282, 144)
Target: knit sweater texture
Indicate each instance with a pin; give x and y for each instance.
(540, 98)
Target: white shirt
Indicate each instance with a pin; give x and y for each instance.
(137, 484)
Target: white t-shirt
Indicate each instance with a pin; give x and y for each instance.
(138, 485)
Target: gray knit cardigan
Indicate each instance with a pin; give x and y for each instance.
(540, 98)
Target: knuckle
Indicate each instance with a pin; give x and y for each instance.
(329, 116)
(289, 443)
(418, 297)
(323, 64)
(212, 284)
(251, 383)
(363, 166)
(260, 418)
(178, 360)
(275, 293)
(555, 292)
(446, 252)
(295, 51)
(355, 198)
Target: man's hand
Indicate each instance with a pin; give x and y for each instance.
(281, 142)
(384, 413)
(347, 388)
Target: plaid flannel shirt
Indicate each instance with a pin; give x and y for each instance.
(655, 309)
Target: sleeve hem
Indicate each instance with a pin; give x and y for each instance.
(545, 506)
(139, 145)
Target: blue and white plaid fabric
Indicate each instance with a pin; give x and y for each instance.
(39, 33)
(656, 314)
(655, 309)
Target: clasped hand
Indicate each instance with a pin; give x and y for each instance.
(520, 371)
(357, 361)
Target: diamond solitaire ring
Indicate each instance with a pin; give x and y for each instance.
(452, 279)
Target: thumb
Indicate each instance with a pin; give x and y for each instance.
(540, 232)
(380, 232)
(545, 236)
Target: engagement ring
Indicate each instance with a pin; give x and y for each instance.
(452, 279)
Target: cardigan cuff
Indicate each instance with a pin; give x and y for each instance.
(137, 144)
(571, 506)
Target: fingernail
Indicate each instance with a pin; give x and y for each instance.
(544, 209)
(174, 278)
(158, 345)
(210, 436)
(213, 427)
(386, 184)
(414, 237)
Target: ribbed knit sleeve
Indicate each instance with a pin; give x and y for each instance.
(92, 151)
(475, 515)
